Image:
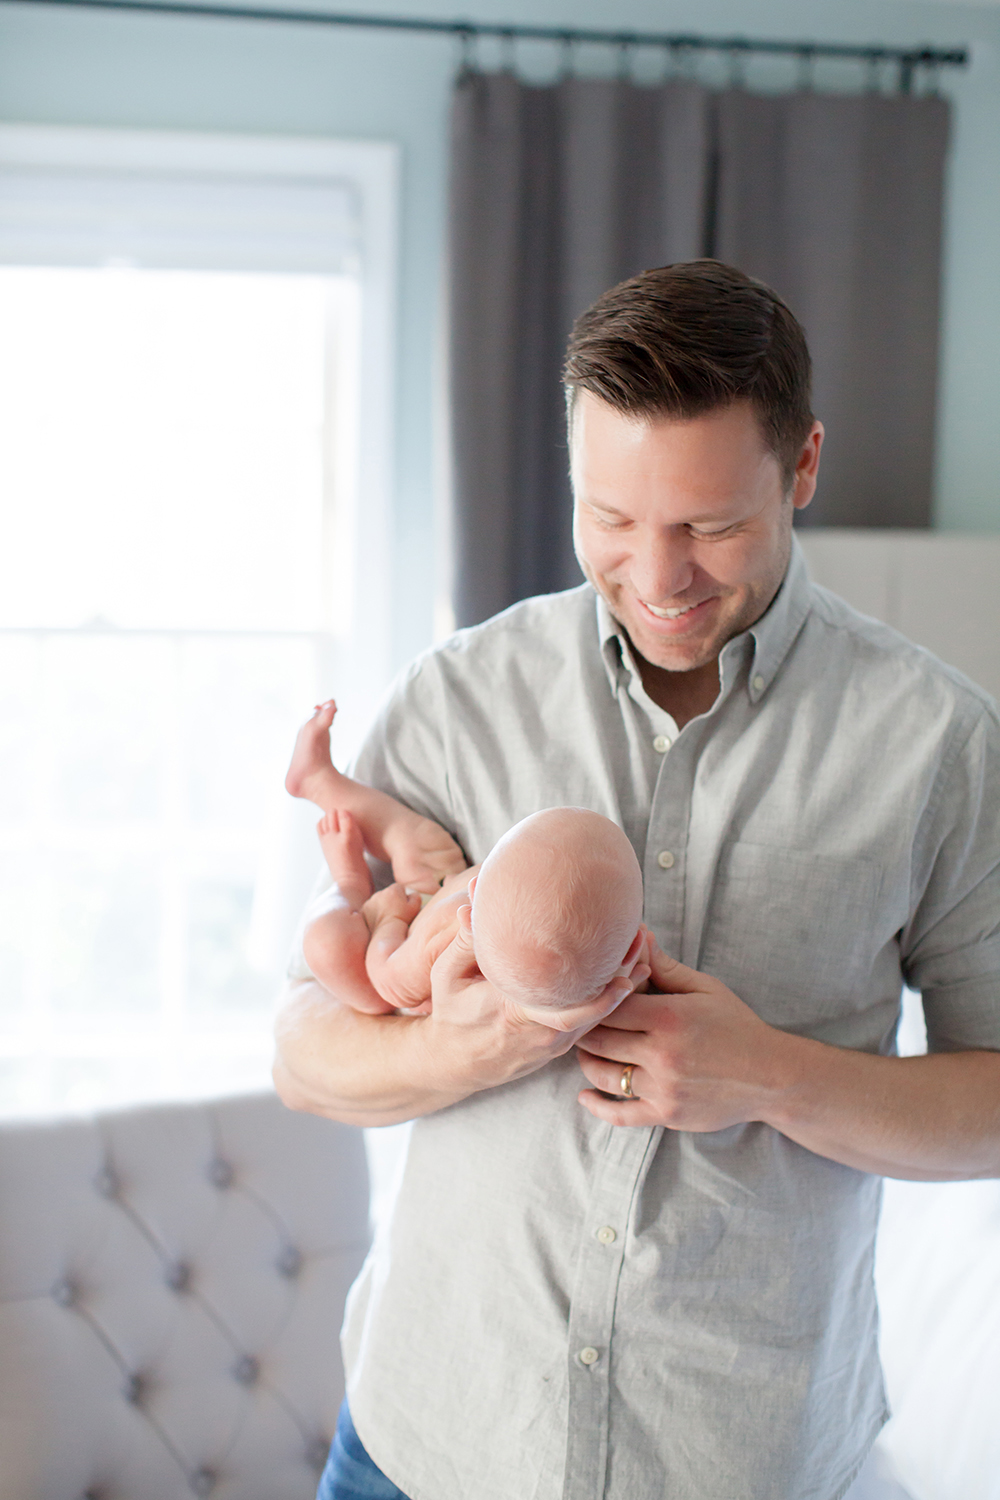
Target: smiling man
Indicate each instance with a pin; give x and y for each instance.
(661, 1284)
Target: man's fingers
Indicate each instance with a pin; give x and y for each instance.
(458, 961)
(618, 1111)
(606, 1074)
(581, 1017)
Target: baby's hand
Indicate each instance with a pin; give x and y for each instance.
(422, 854)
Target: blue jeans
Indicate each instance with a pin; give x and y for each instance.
(350, 1473)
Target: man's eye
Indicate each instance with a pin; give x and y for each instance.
(711, 536)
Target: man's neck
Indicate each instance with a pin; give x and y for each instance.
(683, 695)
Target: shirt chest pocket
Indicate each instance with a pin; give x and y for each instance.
(793, 933)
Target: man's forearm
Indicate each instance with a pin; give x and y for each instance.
(930, 1119)
(360, 1069)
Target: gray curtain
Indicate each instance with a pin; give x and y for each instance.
(836, 201)
(560, 191)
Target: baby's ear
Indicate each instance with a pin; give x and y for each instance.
(472, 886)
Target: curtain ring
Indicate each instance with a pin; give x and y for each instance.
(624, 61)
(873, 73)
(508, 52)
(933, 75)
(737, 64)
(807, 70)
(567, 55)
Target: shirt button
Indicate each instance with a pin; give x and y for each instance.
(758, 684)
(662, 743)
(589, 1356)
(606, 1235)
(665, 859)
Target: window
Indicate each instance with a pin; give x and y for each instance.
(194, 424)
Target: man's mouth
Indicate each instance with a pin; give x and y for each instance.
(671, 614)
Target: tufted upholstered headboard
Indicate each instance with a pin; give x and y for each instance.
(172, 1281)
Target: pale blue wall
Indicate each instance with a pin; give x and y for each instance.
(93, 68)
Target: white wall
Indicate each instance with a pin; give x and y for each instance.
(941, 591)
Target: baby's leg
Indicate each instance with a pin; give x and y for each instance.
(420, 852)
(312, 774)
(344, 850)
(335, 942)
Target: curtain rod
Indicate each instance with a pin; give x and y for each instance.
(908, 59)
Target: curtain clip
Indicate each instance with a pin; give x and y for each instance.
(807, 70)
(467, 43)
(567, 55)
(681, 57)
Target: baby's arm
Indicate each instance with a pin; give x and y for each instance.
(405, 944)
(420, 852)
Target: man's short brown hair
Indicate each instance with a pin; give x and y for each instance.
(687, 339)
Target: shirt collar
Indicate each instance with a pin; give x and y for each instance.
(771, 637)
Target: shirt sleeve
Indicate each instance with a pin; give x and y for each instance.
(951, 946)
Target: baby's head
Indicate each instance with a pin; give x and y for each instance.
(556, 907)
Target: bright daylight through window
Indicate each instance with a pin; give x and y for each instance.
(179, 458)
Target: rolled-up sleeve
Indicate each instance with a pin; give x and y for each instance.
(951, 946)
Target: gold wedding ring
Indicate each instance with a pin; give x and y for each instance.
(625, 1087)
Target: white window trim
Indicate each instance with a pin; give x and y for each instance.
(371, 170)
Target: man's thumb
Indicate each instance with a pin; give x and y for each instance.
(669, 975)
(459, 957)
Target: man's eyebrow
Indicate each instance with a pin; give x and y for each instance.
(707, 520)
(611, 510)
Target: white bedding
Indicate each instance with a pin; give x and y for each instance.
(938, 1277)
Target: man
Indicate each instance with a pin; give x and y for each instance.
(662, 1285)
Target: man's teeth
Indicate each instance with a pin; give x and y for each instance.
(668, 614)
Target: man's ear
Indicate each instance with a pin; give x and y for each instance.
(807, 468)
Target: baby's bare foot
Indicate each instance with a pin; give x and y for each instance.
(344, 851)
(421, 852)
(311, 770)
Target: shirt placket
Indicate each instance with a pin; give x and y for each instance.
(592, 1311)
(665, 863)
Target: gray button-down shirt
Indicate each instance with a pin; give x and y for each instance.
(565, 1310)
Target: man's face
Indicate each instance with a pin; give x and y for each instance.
(684, 526)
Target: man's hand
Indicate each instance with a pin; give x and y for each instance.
(369, 1069)
(702, 1060)
(487, 1040)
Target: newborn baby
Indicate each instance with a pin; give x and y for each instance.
(556, 906)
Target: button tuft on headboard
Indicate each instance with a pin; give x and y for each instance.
(106, 1182)
(289, 1262)
(202, 1482)
(178, 1276)
(220, 1174)
(246, 1370)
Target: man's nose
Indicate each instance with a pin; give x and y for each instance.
(663, 568)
